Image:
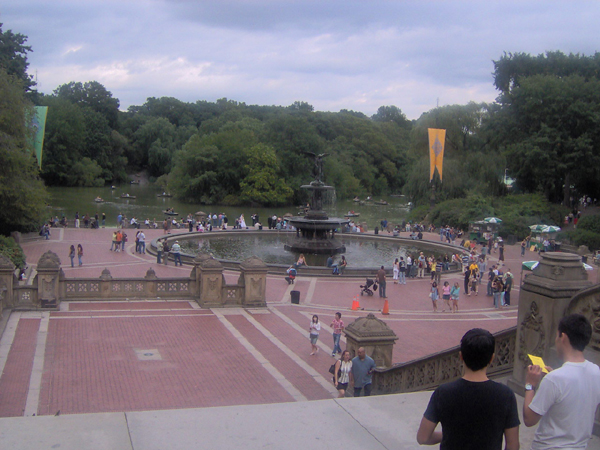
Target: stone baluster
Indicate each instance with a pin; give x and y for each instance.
(49, 274)
(7, 281)
(375, 336)
(253, 279)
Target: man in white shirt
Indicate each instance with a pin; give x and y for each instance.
(565, 402)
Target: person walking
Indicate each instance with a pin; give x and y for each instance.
(342, 373)
(176, 250)
(362, 373)
(79, 254)
(382, 283)
(313, 334)
(338, 326)
(72, 255)
(508, 282)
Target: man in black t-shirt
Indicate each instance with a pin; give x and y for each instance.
(475, 412)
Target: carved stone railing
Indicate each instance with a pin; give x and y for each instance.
(25, 296)
(429, 372)
(117, 288)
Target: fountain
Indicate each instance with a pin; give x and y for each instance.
(315, 232)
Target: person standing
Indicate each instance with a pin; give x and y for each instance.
(523, 246)
(313, 334)
(159, 250)
(342, 265)
(421, 264)
(564, 402)
(119, 238)
(176, 251)
(381, 281)
(79, 254)
(103, 220)
(434, 294)
(338, 326)
(402, 275)
(508, 282)
(72, 255)
(433, 265)
(475, 412)
(446, 296)
(454, 295)
(142, 242)
(409, 265)
(362, 372)
(396, 271)
(166, 250)
(341, 374)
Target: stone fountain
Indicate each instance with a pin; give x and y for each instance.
(315, 232)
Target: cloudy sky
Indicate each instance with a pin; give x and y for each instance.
(332, 54)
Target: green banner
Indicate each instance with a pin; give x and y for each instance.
(39, 125)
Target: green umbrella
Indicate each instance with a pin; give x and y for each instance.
(529, 265)
(538, 228)
(551, 229)
(492, 220)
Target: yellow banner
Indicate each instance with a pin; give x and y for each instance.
(437, 138)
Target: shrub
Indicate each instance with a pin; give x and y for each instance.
(13, 251)
(589, 223)
(581, 237)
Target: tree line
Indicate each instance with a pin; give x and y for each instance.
(541, 131)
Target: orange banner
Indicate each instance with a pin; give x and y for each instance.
(437, 138)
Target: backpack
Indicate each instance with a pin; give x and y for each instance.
(166, 247)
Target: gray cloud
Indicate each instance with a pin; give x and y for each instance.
(335, 54)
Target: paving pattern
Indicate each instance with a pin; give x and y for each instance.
(149, 355)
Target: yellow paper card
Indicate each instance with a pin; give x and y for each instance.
(537, 361)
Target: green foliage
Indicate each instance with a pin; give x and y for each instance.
(589, 223)
(13, 57)
(581, 237)
(262, 185)
(13, 251)
(22, 193)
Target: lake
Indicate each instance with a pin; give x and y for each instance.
(147, 205)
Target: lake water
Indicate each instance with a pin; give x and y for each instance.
(147, 205)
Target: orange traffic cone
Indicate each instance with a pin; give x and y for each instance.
(386, 307)
(355, 304)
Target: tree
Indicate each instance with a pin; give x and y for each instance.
(13, 57)
(93, 95)
(263, 185)
(22, 194)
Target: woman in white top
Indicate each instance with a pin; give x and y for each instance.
(315, 327)
(396, 270)
(343, 370)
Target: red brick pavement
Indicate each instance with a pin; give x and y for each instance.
(14, 383)
(91, 366)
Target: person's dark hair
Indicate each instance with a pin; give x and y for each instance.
(315, 317)
(477, 347)
(338, 314)
(577, 328)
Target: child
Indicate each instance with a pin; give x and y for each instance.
(473, 283)
(454, 293)
(434, 295)
(446, 296)
(291, 275)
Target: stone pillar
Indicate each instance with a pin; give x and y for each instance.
(375, 336)
(150, 282)
(7, 281)
(209, 276)
(253, 278)
(48, 276)
(543, 301)
(105, 283)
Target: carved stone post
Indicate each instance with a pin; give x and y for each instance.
(48, 276)
(209, 276)
(253, 278)
(375, 336)
(105, 283)
(150, 282)
(545, 297)
(7, 280)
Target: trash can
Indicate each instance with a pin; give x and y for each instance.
(295, 297)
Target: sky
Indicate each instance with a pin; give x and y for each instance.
(355, 55)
